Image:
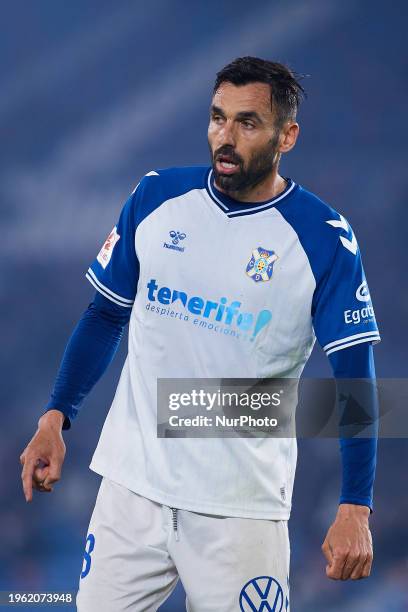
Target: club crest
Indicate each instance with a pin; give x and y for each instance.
(260, 266)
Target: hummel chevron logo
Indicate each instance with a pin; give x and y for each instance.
(349, 243)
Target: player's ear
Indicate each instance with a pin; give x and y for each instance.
(288, 136)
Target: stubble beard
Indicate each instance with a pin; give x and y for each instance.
(261, 164)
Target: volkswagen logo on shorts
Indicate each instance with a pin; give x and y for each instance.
(261, 594)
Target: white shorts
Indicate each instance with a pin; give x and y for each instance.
(137, 549)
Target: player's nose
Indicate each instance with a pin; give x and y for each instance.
(227, 135)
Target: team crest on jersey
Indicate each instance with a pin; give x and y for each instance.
(105, 253)
(260, 266)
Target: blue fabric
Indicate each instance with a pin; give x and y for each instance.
(359, 455)
(89, 351)
(341, 309)
(115, 271)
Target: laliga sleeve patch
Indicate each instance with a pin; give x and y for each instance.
(105, 254)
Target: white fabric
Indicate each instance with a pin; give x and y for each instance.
(137, 558)
(256, 479)
(222, 290)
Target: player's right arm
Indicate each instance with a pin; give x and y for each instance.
(89, 351)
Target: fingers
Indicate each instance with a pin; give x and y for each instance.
(327, 552)
(43, 489)
(42, 460)
(39, 476)
(27, 477)
(335, 561)
(335, 569)
(54, 474)
(363, 570)
(44, 477)
(357, 573)
(349, 565)
(353, 561)
(366, 571)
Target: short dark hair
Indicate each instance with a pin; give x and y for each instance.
(286, 91)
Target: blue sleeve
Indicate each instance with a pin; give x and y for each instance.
(88, 353)
(342, 310)
(358, 454)
(114, 274)
(115, 271)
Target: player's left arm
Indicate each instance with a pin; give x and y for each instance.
(345, 325)
(348, 544)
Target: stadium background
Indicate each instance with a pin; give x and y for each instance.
(94, 94)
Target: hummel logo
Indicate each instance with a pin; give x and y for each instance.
(176, 237)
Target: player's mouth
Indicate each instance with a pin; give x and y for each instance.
(225, 165)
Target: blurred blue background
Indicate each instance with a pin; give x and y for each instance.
(94, 94)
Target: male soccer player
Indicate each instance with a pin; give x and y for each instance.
(227, 271)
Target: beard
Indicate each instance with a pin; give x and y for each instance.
(243, 180)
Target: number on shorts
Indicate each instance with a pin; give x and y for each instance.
(89, 546)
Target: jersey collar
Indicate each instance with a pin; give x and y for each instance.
(234, 208)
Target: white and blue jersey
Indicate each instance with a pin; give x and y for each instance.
(221, 289)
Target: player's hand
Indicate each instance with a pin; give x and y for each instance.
(348, 546)
(44, 455)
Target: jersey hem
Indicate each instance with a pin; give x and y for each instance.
(193, 506)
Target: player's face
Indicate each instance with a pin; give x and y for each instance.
(243, 138)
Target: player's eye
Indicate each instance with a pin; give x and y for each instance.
(217, 118)
(248, 124)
